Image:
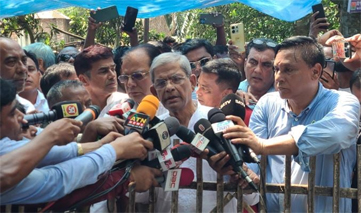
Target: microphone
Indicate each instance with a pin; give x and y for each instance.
(64, 109)
(203, 126)
(119, 109)
(173, 179)
(217, 118)
(179, 153)
(89, 114)
(232, 104)
(138, 122)
(160, 134)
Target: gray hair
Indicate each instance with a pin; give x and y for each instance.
(170, 57)
(56, 92)
(42, 51)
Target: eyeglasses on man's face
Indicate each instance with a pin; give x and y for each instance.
(270, 44)
(67, 57)
(174, 79)
(137, 76)
(201, 62)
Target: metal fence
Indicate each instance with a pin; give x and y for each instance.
(236, 191)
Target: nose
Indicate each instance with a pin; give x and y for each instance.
(22, 69)
(169, 86)
(258, 68)
(198, 92)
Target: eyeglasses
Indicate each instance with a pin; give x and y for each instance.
(175, 79)
(137, 76)
(66, 57)
(270, 44)
(330, 65)
(202, 62)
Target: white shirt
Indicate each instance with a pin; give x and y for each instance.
(187, 197)
(29, 107)
(41, 104)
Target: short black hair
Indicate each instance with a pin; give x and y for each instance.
(32, 56)
(55, 93)
(226, 70)
(54, 74)
(260, 47)
(118, 54)
(310, 51)
(169, 39)
(163, 47)
(193, 44)
(356, 79)
(149, 49)
(220, 49)
(7, 92)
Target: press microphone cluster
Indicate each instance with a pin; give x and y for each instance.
(65, 109)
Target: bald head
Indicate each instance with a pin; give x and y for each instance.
(13, 63)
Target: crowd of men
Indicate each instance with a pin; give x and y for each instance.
(299, 100)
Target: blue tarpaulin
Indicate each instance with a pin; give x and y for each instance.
(287, 10)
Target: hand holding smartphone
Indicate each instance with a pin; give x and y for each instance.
(237, 36)
(321, 13)
(105, 14)
(129, 19)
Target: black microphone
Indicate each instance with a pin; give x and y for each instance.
(187, 136)
(160, 134)
(217, 118)
(65, 109)
(203, 127)
(179, 153)
(89, 114)
(232, 104)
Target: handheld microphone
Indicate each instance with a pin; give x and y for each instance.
(138, 122)
(203, 126)
(89, 114)
(160, 134)
(217, 118)
(65, 109)
(232, 104)
(119, 109)
(179, 153)
(172, 180)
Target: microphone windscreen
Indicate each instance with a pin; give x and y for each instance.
(68, 109)
(185, 134)
(232, 104)
(149, 106)
(216, 115)
(181, 153)
(187, 177)
(172, 125)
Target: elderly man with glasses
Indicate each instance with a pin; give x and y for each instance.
(173, 83)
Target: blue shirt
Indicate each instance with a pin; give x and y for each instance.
(328, 125)
(52, 182)
(243, 86)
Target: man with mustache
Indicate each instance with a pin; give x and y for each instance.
(96, 70)
(13, 62)
(31, 91)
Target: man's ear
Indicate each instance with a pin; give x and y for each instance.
(41, 65)
(153, 91)
(193, 80)
(84, 79)
(317, 71)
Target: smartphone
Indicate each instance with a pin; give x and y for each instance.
(209, 18)
(321, 13)
(237, 36)
(130, 18)
(341, 49)
(105, 14)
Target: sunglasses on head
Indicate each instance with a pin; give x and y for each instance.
(201, 62)
(66, 57)
(268, 43)
(137, 76)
